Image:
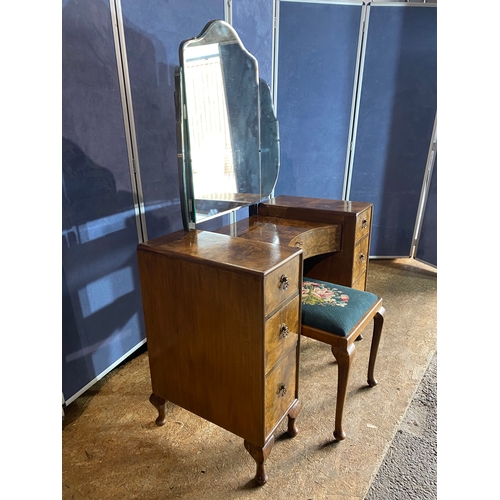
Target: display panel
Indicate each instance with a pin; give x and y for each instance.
(101, 302)
(317, 54)
(396, 118)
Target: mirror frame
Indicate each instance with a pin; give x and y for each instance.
(211, 33)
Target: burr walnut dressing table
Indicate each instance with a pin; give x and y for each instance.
(222, 308)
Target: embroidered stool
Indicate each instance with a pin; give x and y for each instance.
(336, 315)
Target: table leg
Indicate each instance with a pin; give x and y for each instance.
(159, 404)
(292, 415)
(260, 455)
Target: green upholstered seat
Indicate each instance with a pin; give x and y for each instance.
(336, 315)
(333, 308)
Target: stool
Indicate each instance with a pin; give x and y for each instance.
(336, 315)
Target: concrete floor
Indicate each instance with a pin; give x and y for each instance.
(409, 468)
(111, 447)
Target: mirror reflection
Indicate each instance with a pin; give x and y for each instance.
(209, 133)
(228, 140)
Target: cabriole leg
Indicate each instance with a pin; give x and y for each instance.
(260, 455)
(292, 415)
(378, 323)
(344, 360)
(159, 404)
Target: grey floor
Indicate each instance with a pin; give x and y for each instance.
(409, 469)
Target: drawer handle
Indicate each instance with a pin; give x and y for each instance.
(284, 283)
(361, 258)
(281, 390)
(284, 331)
(364, 223)
(299, 244)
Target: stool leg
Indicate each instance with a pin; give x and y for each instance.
(378, 323)
(344, 359)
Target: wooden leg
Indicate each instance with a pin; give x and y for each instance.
(260, 455)
(378, 323)
(292, 415)
(344, 359)
(159, 404)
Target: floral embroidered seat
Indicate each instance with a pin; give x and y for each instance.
(336, 315)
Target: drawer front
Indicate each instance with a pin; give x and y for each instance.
(281, 284)
(281, 331)
(360, 282)
(280, 390)
(363, 223)
(360, 257)
(319, 240)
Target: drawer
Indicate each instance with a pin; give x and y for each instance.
(319, 240)
(360, 257)
(281, 284)
(360, 282)
(281, 331)
(280, 390)
(363, 222)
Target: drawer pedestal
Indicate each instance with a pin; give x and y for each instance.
(222, 319)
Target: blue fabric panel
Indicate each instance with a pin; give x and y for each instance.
(253, 21)
(316, 72)
(153, 31)
(101, 302)
(396, 118)
(427, 244)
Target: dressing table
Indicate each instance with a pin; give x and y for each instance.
(222, 308)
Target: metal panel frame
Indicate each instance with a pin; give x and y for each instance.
(128, 118)
(228, 17)
(404, 3)
(228, 11)
(356, 98)
(426, 184)
(274, 79)
(346, 2)
(103, 373)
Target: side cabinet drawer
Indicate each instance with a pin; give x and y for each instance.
(360, 258)
(280, 284)
(281, 332)
(280, 390)
(363, 223)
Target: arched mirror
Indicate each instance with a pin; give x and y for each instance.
(227, 133)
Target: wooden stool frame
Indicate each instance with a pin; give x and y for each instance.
(343, 349)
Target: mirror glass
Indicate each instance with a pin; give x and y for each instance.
(227, 133)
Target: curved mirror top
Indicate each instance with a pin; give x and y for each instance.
(227, 133)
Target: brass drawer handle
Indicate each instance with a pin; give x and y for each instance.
(299, 244)
(284, 331)
(284, 283)
(281, 390)
(361, 258)
(364, 223)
